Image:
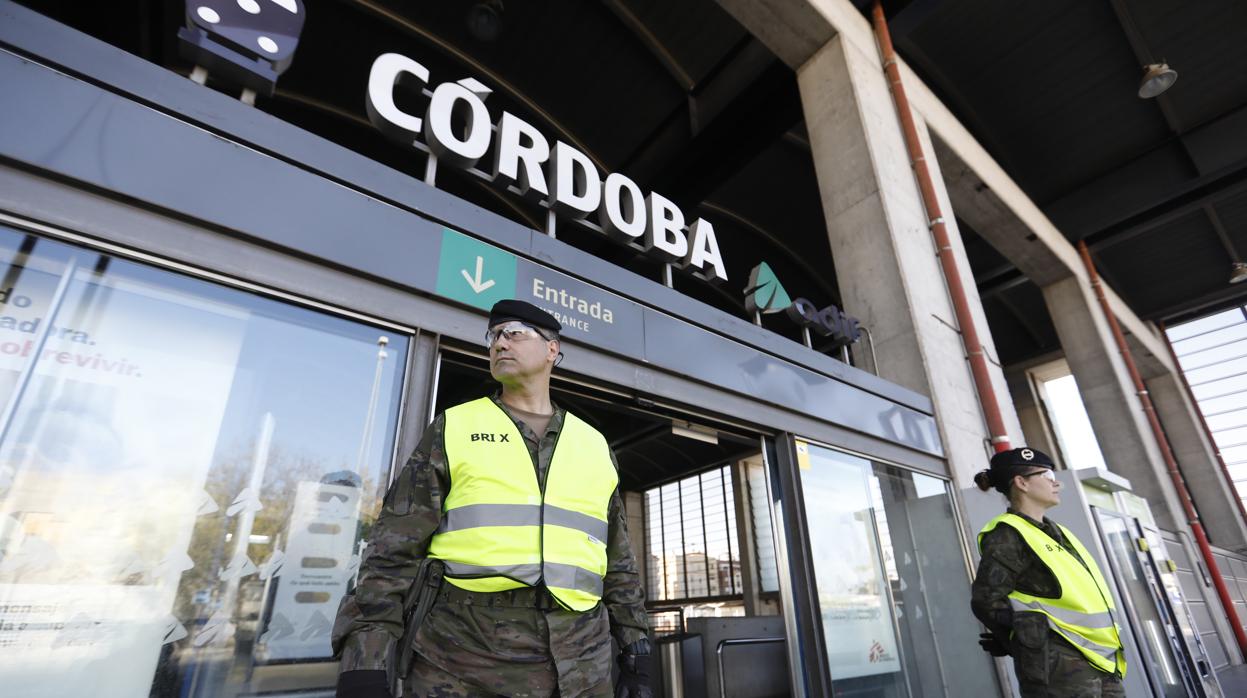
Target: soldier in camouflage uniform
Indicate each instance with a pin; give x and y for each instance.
(520, 642)
(1047, 665)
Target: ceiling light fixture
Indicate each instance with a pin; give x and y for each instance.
(694, 431)
(485, 20)
(1157, 77)
(1238, 273)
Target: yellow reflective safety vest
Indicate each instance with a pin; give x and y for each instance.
(501, 529)
(1084, 613)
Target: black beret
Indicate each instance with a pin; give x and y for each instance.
(527, 313)
(1022, 457)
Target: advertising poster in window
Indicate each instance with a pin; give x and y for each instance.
(852, 585)
(102, 470)
(320, 561)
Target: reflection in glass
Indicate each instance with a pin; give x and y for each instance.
(186, 473)
(893, 587)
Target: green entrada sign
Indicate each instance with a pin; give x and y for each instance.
(766, 295)
(474, 272)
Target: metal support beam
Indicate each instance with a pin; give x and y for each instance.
(1221, 232)
(651, 43)
(1229, 185)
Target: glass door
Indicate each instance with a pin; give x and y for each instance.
(1174, 602)
(187, 474)
(889, 568)
(1154, 632)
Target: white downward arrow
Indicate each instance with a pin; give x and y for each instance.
(476, 284)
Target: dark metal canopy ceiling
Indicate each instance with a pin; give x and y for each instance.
(1157, 188)
(680, 97)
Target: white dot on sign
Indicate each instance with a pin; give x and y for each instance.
(250, 6)
(267, 44)
(208, 15)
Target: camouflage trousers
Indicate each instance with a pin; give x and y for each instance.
(1065, 673)
(514, 643)
(427, 681)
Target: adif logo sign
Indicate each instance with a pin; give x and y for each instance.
(766, 295)
(458, 129)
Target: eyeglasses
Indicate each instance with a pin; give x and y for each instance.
(514, 331)
(1046, 474)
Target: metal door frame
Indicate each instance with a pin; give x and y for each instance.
(1129, 602)
(1200, 679)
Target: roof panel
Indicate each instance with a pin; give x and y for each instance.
(697, 33)
(1232, 210)
(1056, 81)
(1168, 264)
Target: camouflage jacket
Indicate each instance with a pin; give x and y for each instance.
(475, 640)
(1008, 563)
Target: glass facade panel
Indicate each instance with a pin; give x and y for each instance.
(889, 571)
(186, 475)
(691, 538)
(1069, 419)
(1152, 630)
(1213, 354)
(764, 536)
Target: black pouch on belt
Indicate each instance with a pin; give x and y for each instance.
(420, 599)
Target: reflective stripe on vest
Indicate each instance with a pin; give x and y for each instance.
(499, 531)
(1083, 614)
(477, 515)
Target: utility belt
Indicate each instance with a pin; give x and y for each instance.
(525, 597)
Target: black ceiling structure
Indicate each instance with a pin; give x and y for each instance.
(1156, 187)
(678, 96)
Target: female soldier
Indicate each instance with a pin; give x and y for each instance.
(1039, 591)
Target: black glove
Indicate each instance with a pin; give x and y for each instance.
(634, 663)
(363, 683)
(993, 645)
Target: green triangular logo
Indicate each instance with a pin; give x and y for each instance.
(765, 294)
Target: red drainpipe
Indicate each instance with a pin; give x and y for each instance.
(1171, 463)
(1225, 471)
(952, 276)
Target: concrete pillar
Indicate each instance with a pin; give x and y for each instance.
(1036, 431)
(1213, 494)
(884, 254)
(1107, 392)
